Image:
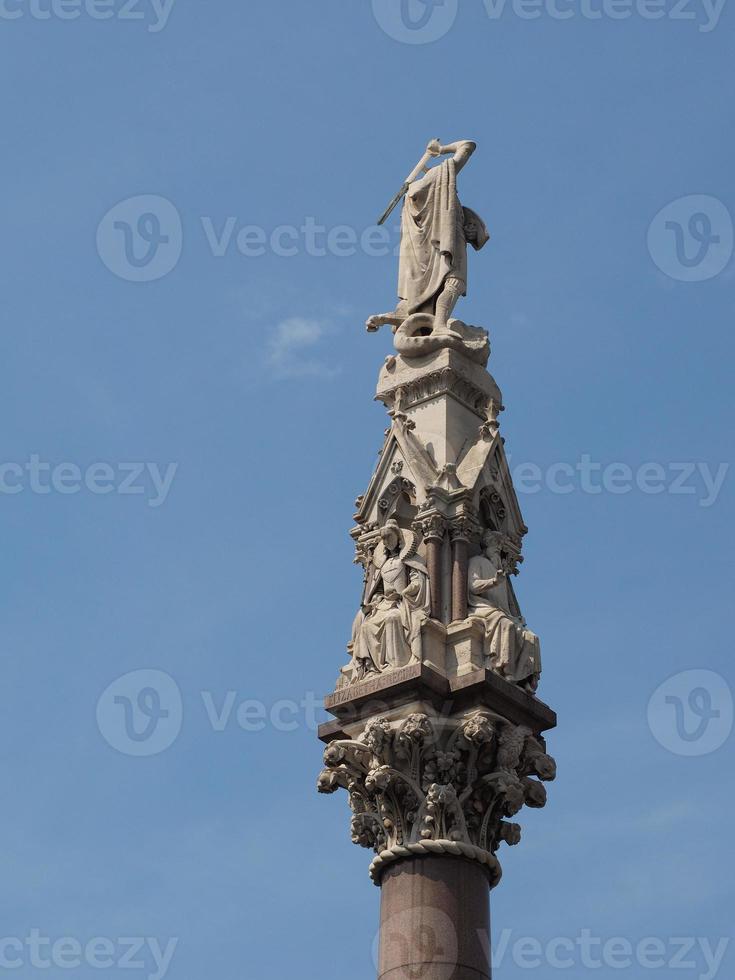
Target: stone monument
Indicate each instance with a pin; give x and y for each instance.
(437, 735)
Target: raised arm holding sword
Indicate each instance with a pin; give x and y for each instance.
(435, 232)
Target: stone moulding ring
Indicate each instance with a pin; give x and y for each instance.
(433, 847)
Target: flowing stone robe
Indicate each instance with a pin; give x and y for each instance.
(389, 634)
(433, 243)
(513, 650)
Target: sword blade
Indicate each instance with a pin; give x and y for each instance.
(422, 164)
(393, 204)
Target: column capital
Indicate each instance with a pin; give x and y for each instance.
(432, 785)
(463, 528)
(432, 525)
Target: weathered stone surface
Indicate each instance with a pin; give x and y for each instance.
(432, 271)
(422, 783)
(442, 483)
(434, 920)
(437, 735)
(418, 685)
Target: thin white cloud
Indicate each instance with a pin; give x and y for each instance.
(291, 350)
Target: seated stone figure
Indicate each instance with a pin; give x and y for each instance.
(386, 632)
(511, 649)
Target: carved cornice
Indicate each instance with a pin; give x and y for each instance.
(446, 381)
(442, 785)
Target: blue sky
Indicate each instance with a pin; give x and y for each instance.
(215, 423)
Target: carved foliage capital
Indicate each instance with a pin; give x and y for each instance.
(463, 528)
(424, 780)
(433, 526)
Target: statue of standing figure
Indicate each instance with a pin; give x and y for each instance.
(386, 632)
(435, 232)
(514, 652)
